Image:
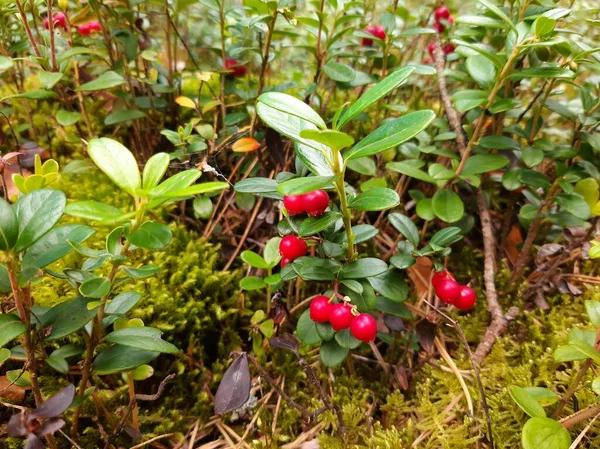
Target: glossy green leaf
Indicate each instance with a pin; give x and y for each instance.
(298, 186)
(314, 225)
(332, 354)
(254, 260)
(95, 288)
(483, 163)
(411, 171)
(482, 70)
(574, 204)
(465, 100)
(307, 329)
(119, 358)
(375, 199)
(256, 185)
(117, 162)
(339, 72)
(154, 170)
(287, 104)
(335, 140)
(406, 227)
(11, 327)
(37, 212)
(151, 235)
(250, 283)
(9, 226)
(447, 206)
(364, 268)
(67, 317)
(106, 80)
(526, 402)
(345, 339)
(390, 284)
(146, 338)
(541, 432)
(141, 272)
(93, 210)
(55, 244)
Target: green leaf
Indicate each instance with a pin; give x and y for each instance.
(93, 210)
(19, 377)
(595, 383)
(532, 156)
(447, 206)
(203, 207)
(315, 159)
(425, 209)
(9, 226)
(271, 251)
(406, 227)
(332, 354)
(4, 280)
(254, 260)
(391, 134)
(267, 328)
(151, 235)
(411, 171)
(298, 186)
(122, 303)
(483, 163)
(287, 104)
(174, 183)
(37, 94)
(106, 80)
(346, 340)
(543, 26)
(4, 355)
(364, 166)
(465, 100)
(5, 63)
(307, 329)
(403, 261)
(543, 72)
(335, 140)
(121, 358)
(593, 310)
(67, 118)
(95, 288)
(446, 236)
(58, 363)
(526, 402)
(37, 212)
(498, 12)
(482, 70)
(117, 162)
(540, 432)
(482, 21)
(390, 284)
(543, 395)
(339, 72)
(586, 349)
(574, 204)
(568, 353)
(325, 331)
(364, 268)
(314, 225)
(143, 372)
(49, 79)
(123, 116)
(375, 199)
(250, 283)
(146, 338)
(196, 189)
(154, 170)
(67, 317)
(141, 272)
(256, 185)
(374, 94)
(55, 244)
(11, 327)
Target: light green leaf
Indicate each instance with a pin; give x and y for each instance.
(375, 199)
(526, 402)
(106, 80)
(447, 206)
(146, 338)
(540, 432)
(117, 162)
(37, 212)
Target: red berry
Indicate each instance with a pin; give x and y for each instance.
(316, 202)
(292, 247)
(364, 327)
(442, 12)
(319, 309)
(294, 204)
(236, 70)
(284, 262)
(340, 316)
(375, 30)
(448, 291)
(439, 276)
(439, 27)
(59, 20)
(84, 29)
(466, 298)
(95, 26)
(431, 48)
(448, 48)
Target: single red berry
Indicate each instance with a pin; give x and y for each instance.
(340, 316)
(440, 276)
(364, 327)
(236, 69)
(450, 19)
(448, 291)
(439, 27)
(294, 204)
(95, 26)
(448, 48)
(292, 247)
(84, 29)
(466, 298)
(284, 262)
(431, 48)
(59, 20)
(319, 309)
(316, 202)
(375, 30)
(442, 12)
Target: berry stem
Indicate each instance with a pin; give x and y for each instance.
(344, 209)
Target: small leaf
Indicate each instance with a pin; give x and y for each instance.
(117, 162)
(245, 145)
(314, 225)
(234, 389)
(483, 163)
(306, 329)
(106, 80)
(406, 227)
(151, 235)
(593, 310)
(95, 288)
(375, 199)
(364, 268)
(185, 102)
(298, 186)
(527, 403)
(541, 432)
(332, 354)
(11, 327)
(254, 260)
(250, 283)
(67, 118)
(447, 206)
(37, 212)
(146, 338)
(119, 358)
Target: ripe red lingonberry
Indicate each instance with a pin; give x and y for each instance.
(375, 30)
(442, 12)
(292, 247)
(439, 27)
(284, 262)
(95, 26)
(59, 20)
(235, 68)
(448, 290)
(466, 298)
(448, 48)
(431, 48)
(294, 204)
(84, 29)
(439, 276)
(340, 316)
(319, 309)
(316, 202)
(364, 327)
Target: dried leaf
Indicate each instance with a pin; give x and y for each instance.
(285, 341)
(426, 335)
(515, 238)
(57, 404)
(234, 389)
(402, 376)
(394, 323)
(420, 274)
(10, 392)
(548, 250)
(50, 426)
(33, 442)
(245, 145)
(16, 426)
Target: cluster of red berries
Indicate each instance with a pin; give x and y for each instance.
(313, 203)
(446, 48)
(58, 19)
(451, 292)
(442, 13)
(88, 28)
(343, 316)
(375, 30)
(236, 69)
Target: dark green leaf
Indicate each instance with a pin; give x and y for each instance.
(406, 227)
(55, 244)
(307, 329)
(119, 358)
(11, 327)
(95, 288)
(106, 80)
(390, 284)
(375, 199)
(9, 226)
(345, 339)
(364, 268)
(146, 338)
(447, 206)
(151, 235)
(37, 212)
(332, 354)
(297, 186)
(313, 225)
(67, 317)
